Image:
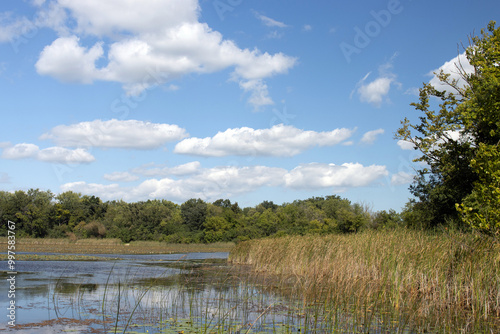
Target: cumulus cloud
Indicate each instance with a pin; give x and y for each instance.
(319, 175)
(20, 151)
(209, 184)
(149, 43)
(51, 154)
(227, 181)
(160, 170)
(66, 60)
(401, 178)
(132, 134)
(452, 67)
(370, 136)
(280, 140)
(65, 156)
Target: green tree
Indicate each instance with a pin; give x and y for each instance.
(194, 212)
(34, 212)
(69, 209)
(449, 137)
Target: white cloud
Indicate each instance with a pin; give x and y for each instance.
(121, 177)
(259, 93)
(269, 21)
(20, 151)
(452, 67)
(108, 17)
(150, 43)
(401, 178)
(307, 27)
(319, 175)
(280, 140)
(375, 92)
(159, 170)
(67, 61)
(405, 145)
(210, 184)
(370, 136)
(114, 133)
(51, 154)
(65, 156)
(227, 181)
(107, 192)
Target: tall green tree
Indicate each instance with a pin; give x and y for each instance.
(194, 213)
(453, 136)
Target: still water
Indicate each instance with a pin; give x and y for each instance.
(174, 293)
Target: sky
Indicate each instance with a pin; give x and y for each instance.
(246, 100)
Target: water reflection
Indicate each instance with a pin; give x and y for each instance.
(152, 293)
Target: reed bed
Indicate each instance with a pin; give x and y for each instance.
(112, 246)
(448, 282)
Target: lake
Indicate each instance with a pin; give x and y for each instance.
(174, 293)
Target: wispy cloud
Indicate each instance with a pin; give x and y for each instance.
(370, 136)
(269, 21)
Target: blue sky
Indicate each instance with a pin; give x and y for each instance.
(246, 100)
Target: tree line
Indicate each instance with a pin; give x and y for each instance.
(42, 214)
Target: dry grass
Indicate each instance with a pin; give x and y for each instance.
(111, 246)
(425, 281)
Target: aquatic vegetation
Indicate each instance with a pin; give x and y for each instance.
(415, 280)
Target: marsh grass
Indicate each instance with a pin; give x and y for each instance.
(398, 280)
(111, 246)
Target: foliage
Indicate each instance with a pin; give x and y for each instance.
(454, 138)
(194, 212)
(481, 209)
(69, 214)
